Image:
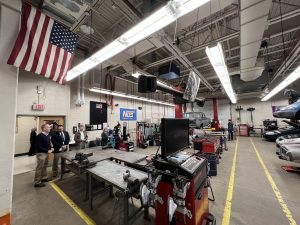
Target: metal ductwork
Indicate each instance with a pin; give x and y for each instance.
(254, 19)
(130, 68)
(168, 43)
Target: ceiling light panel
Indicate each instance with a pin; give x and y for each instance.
(158, 20)
(123, 95)
(217, 60)
(286, 82)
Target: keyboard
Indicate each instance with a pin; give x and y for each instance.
(191, 164)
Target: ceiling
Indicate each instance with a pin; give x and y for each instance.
(216, 21)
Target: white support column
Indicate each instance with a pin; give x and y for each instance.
(9, 27)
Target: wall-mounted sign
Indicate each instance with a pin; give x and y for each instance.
(38, 107)
(127, 114)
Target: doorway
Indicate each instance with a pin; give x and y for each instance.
(24, 124)
(50, 120)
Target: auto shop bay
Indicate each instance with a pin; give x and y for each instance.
(161, 112)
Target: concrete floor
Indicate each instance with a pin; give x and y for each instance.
(254, 201)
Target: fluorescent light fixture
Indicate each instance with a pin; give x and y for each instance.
(123, 95)
(153, 23)
(137, 74)
(217, 60)
(286, 82)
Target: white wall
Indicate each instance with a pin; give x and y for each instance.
(223, 110)
(80, 114)
(263, 110)
(9, 26)
(54, 96)
(60, 100)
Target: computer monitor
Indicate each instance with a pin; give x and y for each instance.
(174, 135)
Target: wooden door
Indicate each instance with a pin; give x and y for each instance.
(24, 124)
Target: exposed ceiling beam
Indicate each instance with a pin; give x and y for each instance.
(184, 60)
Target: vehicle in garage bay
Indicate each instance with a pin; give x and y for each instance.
(290, 152)
(273, 135)
(286, 137)
(289, 112)
(197, 119)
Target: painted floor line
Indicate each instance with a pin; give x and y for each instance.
(277, 193)
(227, 209)
(78, 210)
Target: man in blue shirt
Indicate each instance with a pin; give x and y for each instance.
(43, 148)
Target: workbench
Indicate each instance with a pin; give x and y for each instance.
(111, 173)
(98, 156)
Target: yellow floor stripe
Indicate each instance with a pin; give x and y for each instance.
(79, 211)
(277, 193)
(227, 209)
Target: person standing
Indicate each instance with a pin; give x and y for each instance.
(43, 148)
(230, 130)
(81, 137)
(32, 142)
(104, 137)
(60, 141)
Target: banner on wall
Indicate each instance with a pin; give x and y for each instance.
(127, 114)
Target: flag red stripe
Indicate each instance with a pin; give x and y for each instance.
(30, 40)
(63, 64)
(40, 45)
(69, 65)
(22, 33)
(47, 56)
(54, 65)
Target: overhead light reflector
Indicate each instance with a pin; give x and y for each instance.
(123, 95)
(286, 82)
(217, 60)
(161, 18)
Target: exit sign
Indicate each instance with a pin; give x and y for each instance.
(38, 107)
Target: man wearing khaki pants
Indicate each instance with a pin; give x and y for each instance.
(43, 148)
(60, 141)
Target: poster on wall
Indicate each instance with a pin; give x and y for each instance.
(98, 114)
(128, 114)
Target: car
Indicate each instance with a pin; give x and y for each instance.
(273, 135)
(289, 112)
(289, 136)
(290, 152)
(288, 141)
(197, 119)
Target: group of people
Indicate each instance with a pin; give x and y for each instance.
(51, 140)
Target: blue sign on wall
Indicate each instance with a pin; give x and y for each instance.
(127, 114)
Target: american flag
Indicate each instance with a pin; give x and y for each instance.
(43, 46)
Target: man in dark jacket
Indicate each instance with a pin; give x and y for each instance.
(60, 141)
(32, 142)
(230, 130)
(43, 147)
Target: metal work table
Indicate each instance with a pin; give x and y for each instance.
(112, 174)
(98, 155)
